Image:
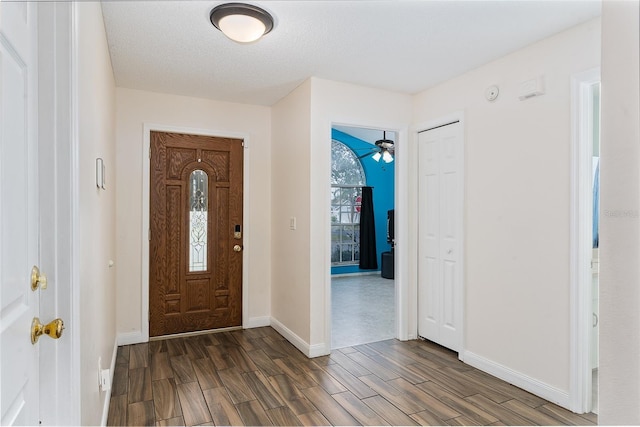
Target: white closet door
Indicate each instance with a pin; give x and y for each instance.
(440, 235)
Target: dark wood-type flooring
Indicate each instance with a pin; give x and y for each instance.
(256, 377)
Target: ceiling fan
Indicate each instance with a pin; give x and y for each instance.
(384, 149)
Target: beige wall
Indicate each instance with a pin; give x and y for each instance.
(96, 130)
(619, 207)
(290, 249)
(136, 108)
(517, 203)
(513, 225)
(301, 186)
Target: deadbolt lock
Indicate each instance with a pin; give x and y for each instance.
(53, 329)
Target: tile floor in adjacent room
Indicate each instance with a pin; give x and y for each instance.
(362, 310)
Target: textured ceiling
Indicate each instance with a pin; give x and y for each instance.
(404, 46)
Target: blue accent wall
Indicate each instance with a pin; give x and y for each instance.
(380, 176)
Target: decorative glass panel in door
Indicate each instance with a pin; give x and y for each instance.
(198, 220)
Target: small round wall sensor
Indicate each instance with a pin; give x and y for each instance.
(491, 93)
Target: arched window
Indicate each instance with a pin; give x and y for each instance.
(347, 180)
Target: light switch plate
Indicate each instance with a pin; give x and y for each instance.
(105, 380)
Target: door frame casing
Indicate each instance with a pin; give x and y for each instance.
(457, 116)
(581, 220)
(146, 182)
(404, 329)
(64, 141)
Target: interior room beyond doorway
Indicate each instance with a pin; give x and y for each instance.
(362, 235)
(362, 310)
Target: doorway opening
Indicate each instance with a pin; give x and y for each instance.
(362, 236)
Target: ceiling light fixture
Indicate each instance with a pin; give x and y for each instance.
(242, 23)
(386, 147)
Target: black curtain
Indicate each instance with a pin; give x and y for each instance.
(368, 255)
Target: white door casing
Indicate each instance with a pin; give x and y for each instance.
(580, 274)
(18, 212)
(59, 360)
(440, 215)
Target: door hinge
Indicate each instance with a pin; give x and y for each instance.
(149, 234)
(149, 152)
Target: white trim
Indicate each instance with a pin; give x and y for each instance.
(402, 301)
(525, 382)
(146, 164)
(75, 398)
(318, 350)
(257, 322)
(112, 368)
(581, 218)
(128, 338)
(308, 350)
(457, 116)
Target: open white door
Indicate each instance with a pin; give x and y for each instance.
(35, 214)
(19, 304)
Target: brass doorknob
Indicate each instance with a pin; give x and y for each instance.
(38, 279)
(53, 329)
(237, 248)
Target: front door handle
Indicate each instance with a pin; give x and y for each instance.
(237, 248)
(53, 329)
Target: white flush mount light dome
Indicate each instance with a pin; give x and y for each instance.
(242, 23)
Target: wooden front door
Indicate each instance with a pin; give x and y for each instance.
(195, 274)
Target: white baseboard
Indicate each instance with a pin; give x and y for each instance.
(107, 400)
(134, 337)
(315, 350)
(309, 351)
(525, 382)
(318, 350)
(294, 339)
(258, 322)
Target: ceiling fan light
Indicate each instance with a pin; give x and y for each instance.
(240, 22)
(376, 156)
(387, 157)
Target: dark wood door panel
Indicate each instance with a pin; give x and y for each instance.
(195, 282)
